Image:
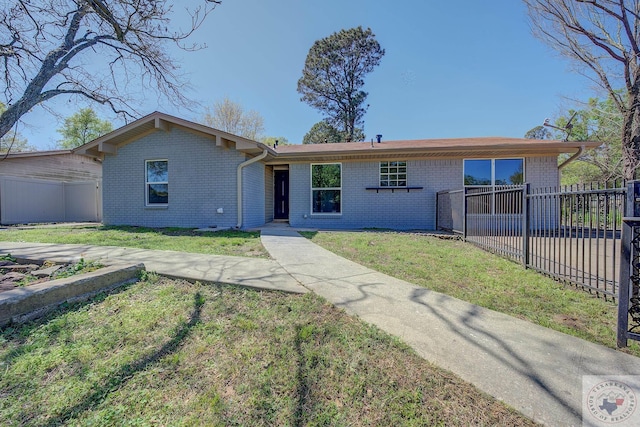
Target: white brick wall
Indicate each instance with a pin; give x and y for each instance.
(542, 172)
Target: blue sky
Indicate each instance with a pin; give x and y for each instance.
(452, 69)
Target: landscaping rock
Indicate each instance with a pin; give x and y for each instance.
(7, 286)
(12, 278)
(20, 267)
(46, 272)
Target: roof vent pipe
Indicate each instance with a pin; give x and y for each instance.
(379, 138)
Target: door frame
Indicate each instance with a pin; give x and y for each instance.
(281, 196)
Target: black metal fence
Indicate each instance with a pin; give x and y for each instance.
(629, 290)
(569, 233)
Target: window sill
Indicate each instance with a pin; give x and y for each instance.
(393, 189)
(156, 207)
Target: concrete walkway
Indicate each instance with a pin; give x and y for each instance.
(250, 272)
(533, 369)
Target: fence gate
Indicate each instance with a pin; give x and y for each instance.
(629, 289)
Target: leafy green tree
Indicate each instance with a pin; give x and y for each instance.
(271, 140)
(580, 172)
(599, 121)
(333, 77)
(230, 116)
(538, 132)
(47, 47)
(82, 127)
(323, 132)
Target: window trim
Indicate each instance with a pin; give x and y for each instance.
(147, 183)
(389, 174)
(493, 171)
(492, 187)
(324, 188)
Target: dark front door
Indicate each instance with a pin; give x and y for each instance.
(281, 195)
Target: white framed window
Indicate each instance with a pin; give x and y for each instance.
(156, 182)
(485, 177)
(326, 188)
(490, 172)
(393, 174)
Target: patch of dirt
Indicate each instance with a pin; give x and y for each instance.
(569, 321)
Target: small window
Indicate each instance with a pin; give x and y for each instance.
(157, 182)
(393, 174)
(326, 188)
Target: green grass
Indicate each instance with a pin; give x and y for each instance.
(167, 352)
(463, 271)
(228, 242)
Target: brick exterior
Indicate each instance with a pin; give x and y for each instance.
(202, 178)
(415, 209)
(253, 195)
(542, 172)
(363, 208)
(268, 191)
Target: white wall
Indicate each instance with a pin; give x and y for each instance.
(24, 200)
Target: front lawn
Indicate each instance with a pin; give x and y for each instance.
(167, 352)
(229, 242)
(463, 271)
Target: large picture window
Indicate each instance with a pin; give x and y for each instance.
(393, 174)
(493, 172)
(484, 177)
(157, 182)
(326, 188)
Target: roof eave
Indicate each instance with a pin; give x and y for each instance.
(154, 122)
(529, 150)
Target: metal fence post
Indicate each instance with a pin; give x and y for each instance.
(525, 224)
(630, 222)
(464, 213)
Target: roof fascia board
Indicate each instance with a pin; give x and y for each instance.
(162, 124)
(105, 147)
(528, 150)
(279, 160)
(165, 122)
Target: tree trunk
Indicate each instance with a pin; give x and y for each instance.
(8, 119)
(631, 136)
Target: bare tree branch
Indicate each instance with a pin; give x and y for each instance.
(46, 44)
(602, 38)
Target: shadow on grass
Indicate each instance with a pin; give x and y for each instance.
(176, 232)
(19, 332)
(126, 372)
(308, 234)
(302, 376)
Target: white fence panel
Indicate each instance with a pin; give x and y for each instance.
(81, 201)
(26, 200)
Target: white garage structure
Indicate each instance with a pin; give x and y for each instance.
(49, 186)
